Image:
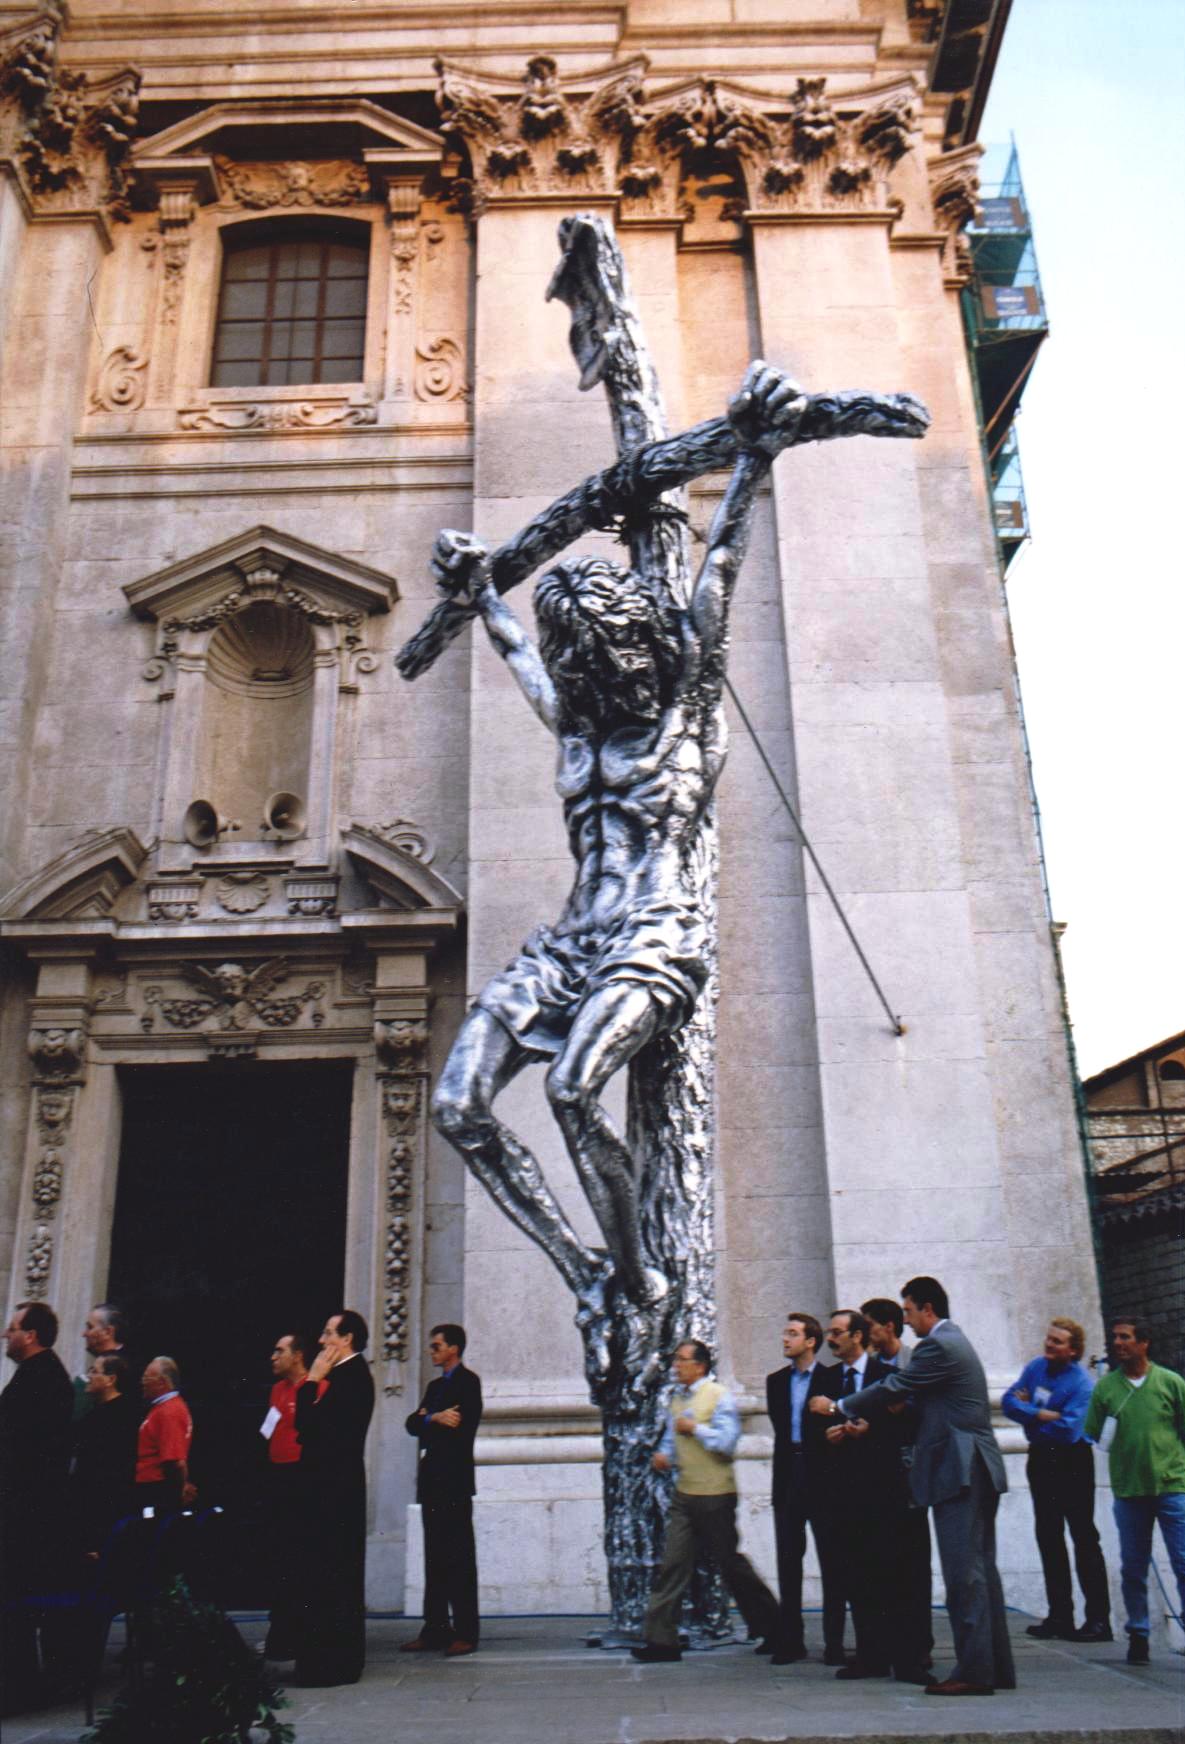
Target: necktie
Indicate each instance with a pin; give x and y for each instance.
(849, 1383)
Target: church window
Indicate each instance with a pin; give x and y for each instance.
(292, 307)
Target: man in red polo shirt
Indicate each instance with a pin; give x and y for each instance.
(162, 1449)
(285, 1494)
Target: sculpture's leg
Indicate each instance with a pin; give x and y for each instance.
(484, 1059)
(611, 1026)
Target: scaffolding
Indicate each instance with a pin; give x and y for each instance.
(1006, 323)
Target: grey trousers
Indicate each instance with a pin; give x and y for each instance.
(706, 1523)
(965, 1528)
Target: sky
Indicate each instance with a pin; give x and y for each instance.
(1094, 93)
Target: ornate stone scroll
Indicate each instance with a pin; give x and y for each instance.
(400, 1045)
(313, 412)
(261, 186)
(57, 1055)
(232, 1002)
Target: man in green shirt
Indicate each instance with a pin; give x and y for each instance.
(1138, 1413)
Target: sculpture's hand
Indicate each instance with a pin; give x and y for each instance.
(768, 408)
(460, 564)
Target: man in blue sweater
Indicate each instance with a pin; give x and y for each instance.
(1049, 1401)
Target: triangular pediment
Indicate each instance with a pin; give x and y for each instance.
(256, 562)
(283, 127)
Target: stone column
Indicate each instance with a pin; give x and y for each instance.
(62, 140)
(913, 1156)
(47, 348)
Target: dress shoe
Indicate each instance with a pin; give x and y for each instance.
(765, 1645)
(951, 1686)
(421, 1644)
(459, 1649)
(856, 1670)
(1050, 1630)
(1094, 1632)
(1137, 1649)
(654, 1653)
(835, 1656)
(789, 1655)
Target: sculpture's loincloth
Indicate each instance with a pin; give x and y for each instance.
(661, 946)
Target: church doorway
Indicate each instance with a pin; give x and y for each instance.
(230, 1229)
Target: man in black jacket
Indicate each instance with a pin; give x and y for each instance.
(35, 1410)
(862, 1478)
(333, 1413)
(799, 1496)
(445, 1424)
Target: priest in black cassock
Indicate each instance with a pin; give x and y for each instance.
(332, 1416)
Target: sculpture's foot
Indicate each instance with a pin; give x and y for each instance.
(593, 1319)
(645, 1354)
(655, 1288)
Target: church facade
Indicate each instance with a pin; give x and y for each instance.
(274, 315)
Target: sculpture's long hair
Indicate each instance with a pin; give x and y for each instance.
(612, 647)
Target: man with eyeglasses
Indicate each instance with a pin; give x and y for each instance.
(445, 1425)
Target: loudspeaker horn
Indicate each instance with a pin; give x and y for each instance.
(203, 824)
(284, 816)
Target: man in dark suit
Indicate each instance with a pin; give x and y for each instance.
(333, 1413)
(445, 1425)
(958, 1472)
(861, 1471)
(799, 1495)
(35, 1412)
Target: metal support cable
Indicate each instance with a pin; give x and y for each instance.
(897, 1026)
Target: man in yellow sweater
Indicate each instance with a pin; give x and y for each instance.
(700, 1440)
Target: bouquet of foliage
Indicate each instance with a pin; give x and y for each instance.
(205, 1686)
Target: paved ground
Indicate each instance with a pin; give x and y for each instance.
(534, 1682)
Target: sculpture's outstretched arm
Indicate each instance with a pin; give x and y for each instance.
(637, 481)
(765, 414)
(461, 566)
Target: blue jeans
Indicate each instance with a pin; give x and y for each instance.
(1135, 1517)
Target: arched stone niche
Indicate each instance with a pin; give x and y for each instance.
(260, 644)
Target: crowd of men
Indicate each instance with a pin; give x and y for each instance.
(82, 1461)
(869, 1447)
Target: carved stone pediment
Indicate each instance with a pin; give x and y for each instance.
(261, 564)
(80, 884)
(398, 877)
(219, 149)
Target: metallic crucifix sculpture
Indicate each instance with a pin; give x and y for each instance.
(628, 675)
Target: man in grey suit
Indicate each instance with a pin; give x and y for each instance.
(958, 1472)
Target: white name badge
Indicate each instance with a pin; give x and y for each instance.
(268, 1427)
(1042, 1396)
